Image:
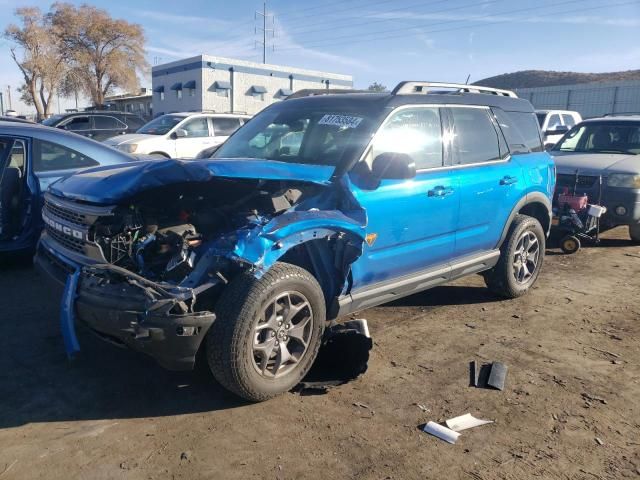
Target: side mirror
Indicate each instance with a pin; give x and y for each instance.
(558, 130)
(181, 133)
(393, 166)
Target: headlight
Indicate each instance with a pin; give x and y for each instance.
(128, 147)
(623, 180)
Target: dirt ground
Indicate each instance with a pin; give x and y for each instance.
(570, 410)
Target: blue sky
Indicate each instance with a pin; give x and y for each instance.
(383, 40)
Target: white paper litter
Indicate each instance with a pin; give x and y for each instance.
(441, 432)
(463, 422)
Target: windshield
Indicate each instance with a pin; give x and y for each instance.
(609, 137)
(541, 117)
(297, 132)
(161, 125)
(52, 120)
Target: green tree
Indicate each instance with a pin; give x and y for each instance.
(377, 87)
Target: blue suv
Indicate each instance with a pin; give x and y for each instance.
(319, 206)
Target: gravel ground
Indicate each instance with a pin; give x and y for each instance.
(570, 408)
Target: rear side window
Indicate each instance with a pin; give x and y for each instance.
(527, 125)
(568, 120)
(414, 131)
(49, 156)
(224, 127)
(475, 139)
(104, 122)
(554, 121)
(133, 122)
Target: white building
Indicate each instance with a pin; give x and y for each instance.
(228, 85)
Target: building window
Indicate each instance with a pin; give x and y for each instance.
(192, 92)
(161, 95)
(222, 92)
(179, 94)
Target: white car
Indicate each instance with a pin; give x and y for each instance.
(555, 123)
(179, 135)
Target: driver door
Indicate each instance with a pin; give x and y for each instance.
(197, 139)
(411, 223)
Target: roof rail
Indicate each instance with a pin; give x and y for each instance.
(310, 92)
(622, 114)
(411, 87)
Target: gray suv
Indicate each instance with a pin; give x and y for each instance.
(606, 148)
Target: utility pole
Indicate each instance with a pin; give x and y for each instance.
(1, 104)
(9, 96)
(264, 29)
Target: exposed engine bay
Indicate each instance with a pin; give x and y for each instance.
(160, 233)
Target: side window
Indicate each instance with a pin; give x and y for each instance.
(568, 120)
(515, 140)
(475, 139)
(414, 131)
(18, 155)
(133, 122)
(225, 126)
(527, 125)
(104, 122)
(49, 156)
(554, 121)
(78, 123)
(198, 127)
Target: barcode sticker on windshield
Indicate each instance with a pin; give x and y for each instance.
(344, 121)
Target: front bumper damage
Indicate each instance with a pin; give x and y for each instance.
(129, 310)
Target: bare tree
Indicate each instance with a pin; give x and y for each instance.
(105, 53)
(37, 55)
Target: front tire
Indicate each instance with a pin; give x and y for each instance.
(521, 258)
(267, 332)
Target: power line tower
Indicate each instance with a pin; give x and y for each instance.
(264, 29)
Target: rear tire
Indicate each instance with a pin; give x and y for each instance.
(267, 332)
(521, 258)
(634, 232)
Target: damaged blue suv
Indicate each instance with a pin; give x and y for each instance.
(320, 206)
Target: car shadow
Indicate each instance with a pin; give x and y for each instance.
(39, 383)
(446, 295)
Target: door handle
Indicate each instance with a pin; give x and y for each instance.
(508, 180)
(440, 191)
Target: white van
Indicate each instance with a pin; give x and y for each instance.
(555, 123)
(179, 135)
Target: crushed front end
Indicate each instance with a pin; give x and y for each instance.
(151, 261)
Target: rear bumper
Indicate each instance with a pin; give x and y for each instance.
(122, 313)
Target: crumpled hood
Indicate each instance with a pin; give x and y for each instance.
(598, 163)
(130, 138)
(109, 185)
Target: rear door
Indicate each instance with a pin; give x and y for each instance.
(107, 126)
(490, 182)
(411, 223)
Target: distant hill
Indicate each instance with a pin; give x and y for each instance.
(544, 78)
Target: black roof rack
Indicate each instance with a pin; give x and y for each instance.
(622, 114)
(310, 92)
(415, 87)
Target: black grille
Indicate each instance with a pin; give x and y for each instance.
(66, 214)
(66, 241)
(568, 180)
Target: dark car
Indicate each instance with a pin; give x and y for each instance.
(98, 125)
(605, 148)
(31, 158)
(318, 207)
